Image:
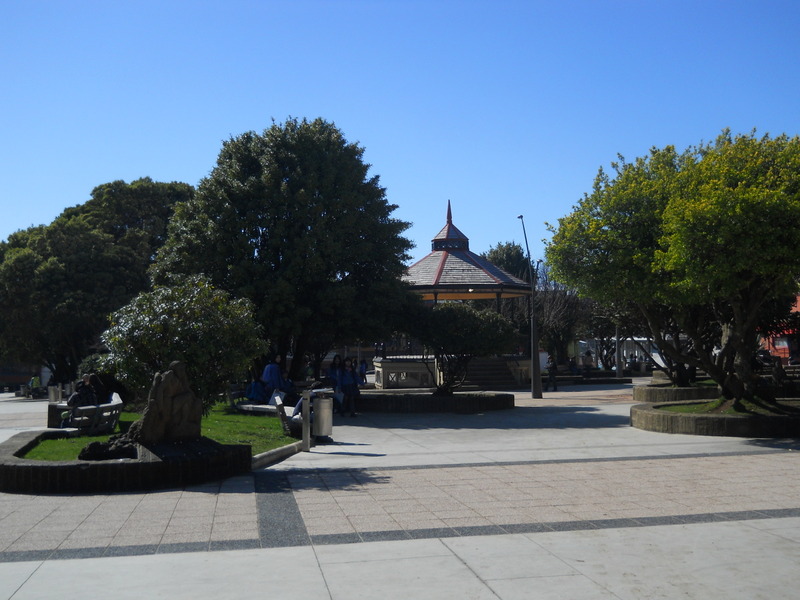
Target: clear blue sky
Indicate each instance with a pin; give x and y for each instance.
(502, 107)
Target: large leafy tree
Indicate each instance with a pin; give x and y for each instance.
(58, 283)
(454, 333)
(212, 333)
(702, 243)
(292, 220)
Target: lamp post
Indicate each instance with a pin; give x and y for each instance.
(536, 368)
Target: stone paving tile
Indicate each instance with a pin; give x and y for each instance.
(139, 539)
(563, 494)
(547, 493)
(77, 542)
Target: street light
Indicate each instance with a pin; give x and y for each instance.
(536, 368)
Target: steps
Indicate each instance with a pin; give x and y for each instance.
(490, 373)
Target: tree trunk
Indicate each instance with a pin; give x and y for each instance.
(296, 370)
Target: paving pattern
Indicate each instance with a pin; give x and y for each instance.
(492, 498)
(311, 499)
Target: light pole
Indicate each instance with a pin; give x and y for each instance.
(536, 368)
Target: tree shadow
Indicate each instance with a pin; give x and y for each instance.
(776, 444)
(325, 479)
(519, 418)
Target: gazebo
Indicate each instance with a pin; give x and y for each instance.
(452, 272)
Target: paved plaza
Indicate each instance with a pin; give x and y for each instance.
(558, 498)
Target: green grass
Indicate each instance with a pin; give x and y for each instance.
(705, 407)
(744, 408)
(222, 425)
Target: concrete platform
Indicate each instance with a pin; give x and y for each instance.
(558, 498)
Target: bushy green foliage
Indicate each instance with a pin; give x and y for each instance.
(455, 333)
(702, 243)
(212, 333)
(59, 283)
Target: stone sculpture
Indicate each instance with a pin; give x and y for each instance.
(173, 411)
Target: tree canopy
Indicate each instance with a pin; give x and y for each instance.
(59, 283)
(702, 243)
(455, 333)
(212, 333)
(292, 220)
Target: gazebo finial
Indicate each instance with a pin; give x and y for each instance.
(449, 213)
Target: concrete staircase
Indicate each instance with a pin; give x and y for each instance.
(489, 373)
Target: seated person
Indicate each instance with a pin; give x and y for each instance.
(273, 379)
(297, 413)
(84, 394)
(256, 392)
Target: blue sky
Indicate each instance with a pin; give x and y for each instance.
(502, 107)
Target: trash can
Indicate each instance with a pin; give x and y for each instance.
(54, 393)
(323, 416)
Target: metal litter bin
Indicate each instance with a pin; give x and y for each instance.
(323, 416)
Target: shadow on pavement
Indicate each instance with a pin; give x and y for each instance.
(539, 417)
(778, 443)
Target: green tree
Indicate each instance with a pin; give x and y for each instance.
(291, 220)
(58, 283)
(213, 334)
(704, 240)
(510, 257)
(455, 333)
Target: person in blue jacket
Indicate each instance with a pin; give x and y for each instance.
(349, 384)
(273, 379)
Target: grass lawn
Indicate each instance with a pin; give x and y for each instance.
(222, 425)
(747, 408)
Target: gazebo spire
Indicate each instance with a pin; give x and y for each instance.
(450, 238)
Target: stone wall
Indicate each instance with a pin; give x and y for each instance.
(650, 418)
(175, 465)
(652, 393)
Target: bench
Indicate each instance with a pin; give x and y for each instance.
(290, 426)
(276, 407)
(94, 418)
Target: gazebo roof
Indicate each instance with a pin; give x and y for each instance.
(452, 272)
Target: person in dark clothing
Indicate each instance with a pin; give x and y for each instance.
(84, 394)
(349, 385)
(552, 371)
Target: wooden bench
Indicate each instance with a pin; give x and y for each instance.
(96, 418)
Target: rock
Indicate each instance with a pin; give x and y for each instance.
(173, 411)
(116, 447)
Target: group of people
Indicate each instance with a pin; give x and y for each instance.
(344, 375)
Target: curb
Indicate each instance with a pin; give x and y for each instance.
(648, 418)
(271, 457)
